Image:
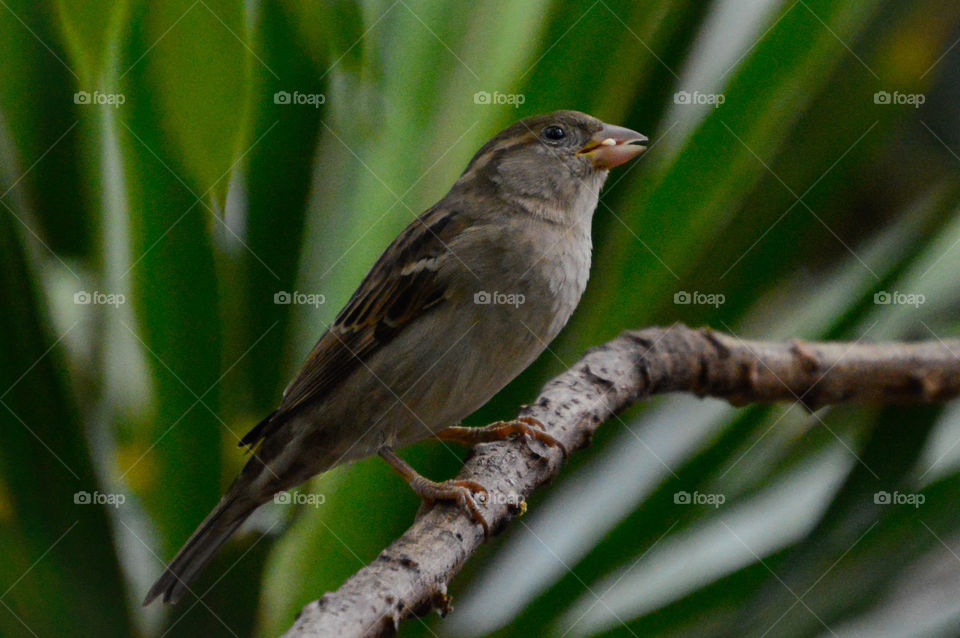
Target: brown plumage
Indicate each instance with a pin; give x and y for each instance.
(419, 346)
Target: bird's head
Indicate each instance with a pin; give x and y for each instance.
(551, 156)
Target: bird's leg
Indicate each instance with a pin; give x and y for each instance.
(459, 491)
(527, 427)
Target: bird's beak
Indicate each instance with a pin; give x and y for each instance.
(614, 145)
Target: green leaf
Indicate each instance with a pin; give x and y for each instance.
(191, 69)
(43, 126)
(48, 488)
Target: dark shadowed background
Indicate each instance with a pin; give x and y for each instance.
(190, 190)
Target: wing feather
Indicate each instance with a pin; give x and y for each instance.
(401, 286)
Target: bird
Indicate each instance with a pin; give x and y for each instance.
(465, 298)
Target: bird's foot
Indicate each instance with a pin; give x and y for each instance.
(525, 426)
(458, 491)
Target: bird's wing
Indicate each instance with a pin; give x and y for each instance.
(400, 287)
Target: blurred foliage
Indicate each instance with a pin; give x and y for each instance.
(166, 169)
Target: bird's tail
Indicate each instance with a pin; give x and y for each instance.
(212, 533)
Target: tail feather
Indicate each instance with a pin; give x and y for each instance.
(212, 533)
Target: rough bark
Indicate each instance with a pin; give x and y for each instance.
(411, 575)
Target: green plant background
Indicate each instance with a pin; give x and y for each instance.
(797, 199)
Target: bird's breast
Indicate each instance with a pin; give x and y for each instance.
(529, 289)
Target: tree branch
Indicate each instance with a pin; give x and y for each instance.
(410, 576)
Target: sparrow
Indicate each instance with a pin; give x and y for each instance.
(462, 301)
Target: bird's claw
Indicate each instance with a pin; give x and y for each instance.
(459, 491)
(532, 428)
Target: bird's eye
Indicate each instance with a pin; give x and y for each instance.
(554, 133)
